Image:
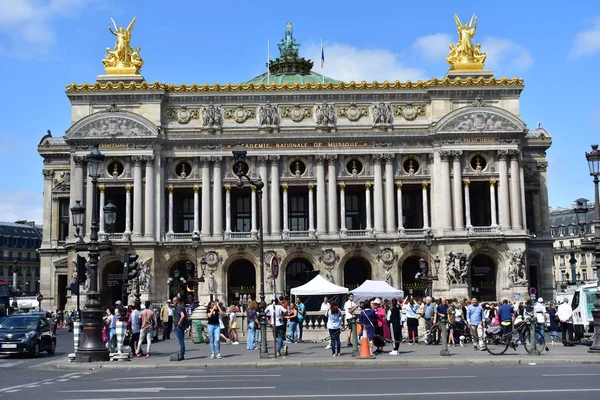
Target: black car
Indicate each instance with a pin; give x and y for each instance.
(26, 334)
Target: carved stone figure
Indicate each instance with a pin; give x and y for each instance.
(388, 274)
(122, 60)
(112, 126)
(211, 117)
(329, 257)
(466, 55)
(145, 275)
(211, 283)
(382, 114)
(329, 274)
(457, 268)
(62, 181)
(325, 115)
(288, 47)
(479, 121)
(517, 271)
(268, 115)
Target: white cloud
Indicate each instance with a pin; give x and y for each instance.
(27, 25)
(433, 47)
(587, 42)
(348, 63)
(21, 204)
(505, 54)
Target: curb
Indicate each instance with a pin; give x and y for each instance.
(313, 363)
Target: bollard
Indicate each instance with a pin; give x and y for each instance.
(353, 336)
(533, 339)
(76, 334)
(264, 353)
(444, 332)
(121, 330)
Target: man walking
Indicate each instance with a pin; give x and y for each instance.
(134, 320)
(349, 308)
(166, 316)
(277, 311)
(301, 313)
(428, 315)
(565, 315)
(181, 322)
(147, 324)
(540, 313)
(476, 322)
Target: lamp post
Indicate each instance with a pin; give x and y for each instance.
(196, 244)
(573, 263)
(241, 171)
(92, 348)
(593, 159)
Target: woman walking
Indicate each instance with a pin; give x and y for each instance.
(395, 319)
(253, 325)
(380, 313)
(232, 332)
(554, 321)
(334, 324)
(412, 320)
(214, 329)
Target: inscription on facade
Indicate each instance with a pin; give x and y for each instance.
(302, 145)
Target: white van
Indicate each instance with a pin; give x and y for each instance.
(583, 301)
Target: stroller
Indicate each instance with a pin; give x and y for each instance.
(462, 332)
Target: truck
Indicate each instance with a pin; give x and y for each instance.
(583, 301)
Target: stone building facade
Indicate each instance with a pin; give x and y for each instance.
(19, 242)
(362, 180)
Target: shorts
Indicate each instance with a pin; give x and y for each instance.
(233, 325)
(135, 337)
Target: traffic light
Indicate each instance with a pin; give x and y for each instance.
(130, 267)
(81, 269)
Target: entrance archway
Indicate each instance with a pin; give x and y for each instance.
(112, 283)
(298, 272)
(241, 281)
(483, 278)
(356, 271)
(181, 281)
(410, 285)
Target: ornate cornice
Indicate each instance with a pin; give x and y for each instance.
(216, 88)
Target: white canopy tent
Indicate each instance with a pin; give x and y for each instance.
(318, 286)
(379, 289)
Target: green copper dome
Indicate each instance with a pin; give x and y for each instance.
(289, 67)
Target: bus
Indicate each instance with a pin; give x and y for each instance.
(4, 298)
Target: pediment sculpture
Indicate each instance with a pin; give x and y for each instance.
(110, 126)
(480, 119)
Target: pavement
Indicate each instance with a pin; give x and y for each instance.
(197, 356)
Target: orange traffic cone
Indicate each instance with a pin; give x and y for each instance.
(365, 347)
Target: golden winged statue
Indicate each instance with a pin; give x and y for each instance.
(465, 56)
(122, 60)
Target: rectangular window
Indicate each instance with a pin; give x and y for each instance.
(561, 244)
(563, 277)
(10, 255)
(241, 212)
(530, 211)
(63, 219)
(562, 260)
(356, 210)
(28, 256)
(585, 275)
(28, 271)
(583, 259)
(186, 214)
(298, 211)
(572, 243)
(1, 269)
(19, 255)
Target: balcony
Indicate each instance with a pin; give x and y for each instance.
(413, 233)
(178, 237)
(298, 235)
(358, 233)
(241, 235)
(484, 231)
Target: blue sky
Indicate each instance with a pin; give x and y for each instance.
(46, 44)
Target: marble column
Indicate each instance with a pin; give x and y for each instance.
(127, 232)
(503, 189)
(446, 213)
(321, 210)
(457, 191)
(332, 209)
(170, 210)
(253, 227)
(378, 194)
(275, 197)
(48, 215)
(369, 227)
(544, 222)
(206, 206)
(343, 229)
(493, 202)
(101, 208)
(311, 210)
(286, 222)
(264, 175)
(196, 209)
(89, 196)
(217, 206)
(468, 205)
(137, 197)
(399, 201)
(149, 200)
(390, 208)
(515, 190)
(77, 181)
(425, 206)
(227, 211)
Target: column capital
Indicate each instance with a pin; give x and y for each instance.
(542, 166)
(320, 158)
(149, 159)
(227, 188)
(79, 160)
(196, 188)
(128, 188)
(262, 160)
(205, 161)
(47, 174)
(514, 154)
(389, 158)
(216, 159)
(137, 160)
(253, 188)
(377, 158)
(457, 154)
(274, 158)
(467, 183)
(368, 186)
(502, 154)
(311, 186)
(445, 155)
(342, 186)
(331, 157)
(492, 182)
(284, 187)
(399, 185)
(170, 189)
(424, 185)
(101, 188)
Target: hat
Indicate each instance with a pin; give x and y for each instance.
(168, 301)
(118, 302)
(377, 301)
(540, 300)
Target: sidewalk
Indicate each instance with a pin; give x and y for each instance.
(312, 354)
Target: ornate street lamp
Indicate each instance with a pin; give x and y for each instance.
(593, 159)
(581, 211)
(241, 171)
(110, 216)
(92, 349)
(203, 264)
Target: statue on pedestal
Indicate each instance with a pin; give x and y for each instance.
(288, 47)
(465, 56)
(122, 60)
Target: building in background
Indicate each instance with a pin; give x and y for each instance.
(567, 236)
(362, 181)
(19, 243)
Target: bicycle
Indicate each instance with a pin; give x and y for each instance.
(497, 343)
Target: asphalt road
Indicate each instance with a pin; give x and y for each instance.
(471, 382)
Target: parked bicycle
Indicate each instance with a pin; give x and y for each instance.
(497, 343)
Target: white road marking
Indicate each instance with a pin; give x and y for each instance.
(169, 377)
(10, 364)
(387, 369)
(375, 395)
(12, 391)
(398, 378)
(571, 375)
(160, 389)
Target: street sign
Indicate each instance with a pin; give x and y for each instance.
(517, 295)
(274, 267)
(532, 291)
(40, 298)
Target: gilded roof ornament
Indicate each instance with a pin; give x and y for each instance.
(466, 56)
(122, 60)
(288, 47)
